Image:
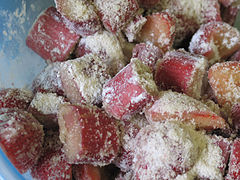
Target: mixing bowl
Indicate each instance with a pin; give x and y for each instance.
(18, 64)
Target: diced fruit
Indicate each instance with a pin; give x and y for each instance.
(190, 15)
(148, 3)
(216, 41)
(83, 79)
(52, 165)
(51, 38)
(86, 172)
(15, 98)
(147, 53)
(116, 14)
(88, 134)
(165, 150)
(224, 79)
(81, 14)
(225, 146)
(234, 162)
(184, 108)
(235, 114)
(44, 107)
(21, 138)
(182, 72)
(134, 27)
(159, 29)
(106, 46)
(129, 91)
(48, 80)
(129, 130)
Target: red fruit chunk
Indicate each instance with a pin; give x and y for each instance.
(234, 162)
(15, 98)
(44, 107)
(148, 3)
(88, 134)
(159, 29)
(48, 80)
(184, 108)
(134, 27)
(147, 53)
(107, 47)
(129, 91)
(225, 146)
(21, 138)
(236, 116)
(116, 14)
(86, 172)
(182, 72)
(51, 38)
(216, 41)
(83, 79)
(52, 165)
(224, 79)
(81, 16)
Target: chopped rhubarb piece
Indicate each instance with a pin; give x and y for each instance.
(129, 91)
(51, 38)
(52, 165)
(148, 3)
(184, 108)
(129, 130)
(88, 134)
(234, 162)
(21, 138)
(216, 41)
(159, 29)
(224, 79)
(83, 79)
(116, 14)
(165, 150)
(134, 27)
(107, 46)
(48, 80)
(190, 15)
(225, 146)
(182, 72)
(82, 16)
(44, 107)
(235, 114)
(147, 53)
(86, 172)
(15, 98)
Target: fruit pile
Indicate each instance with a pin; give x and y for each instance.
(132, 90)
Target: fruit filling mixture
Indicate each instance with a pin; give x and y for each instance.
(132, 90)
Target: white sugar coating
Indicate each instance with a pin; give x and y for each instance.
(49, 78)
(143, 76)
(89, 74)
(77, 10)
(176, 103)
(208, 164)
(227, 86)
(159, 147)
(134, 27)
(47, 103)
(115, 11)
(107, 46)
(19, 94)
